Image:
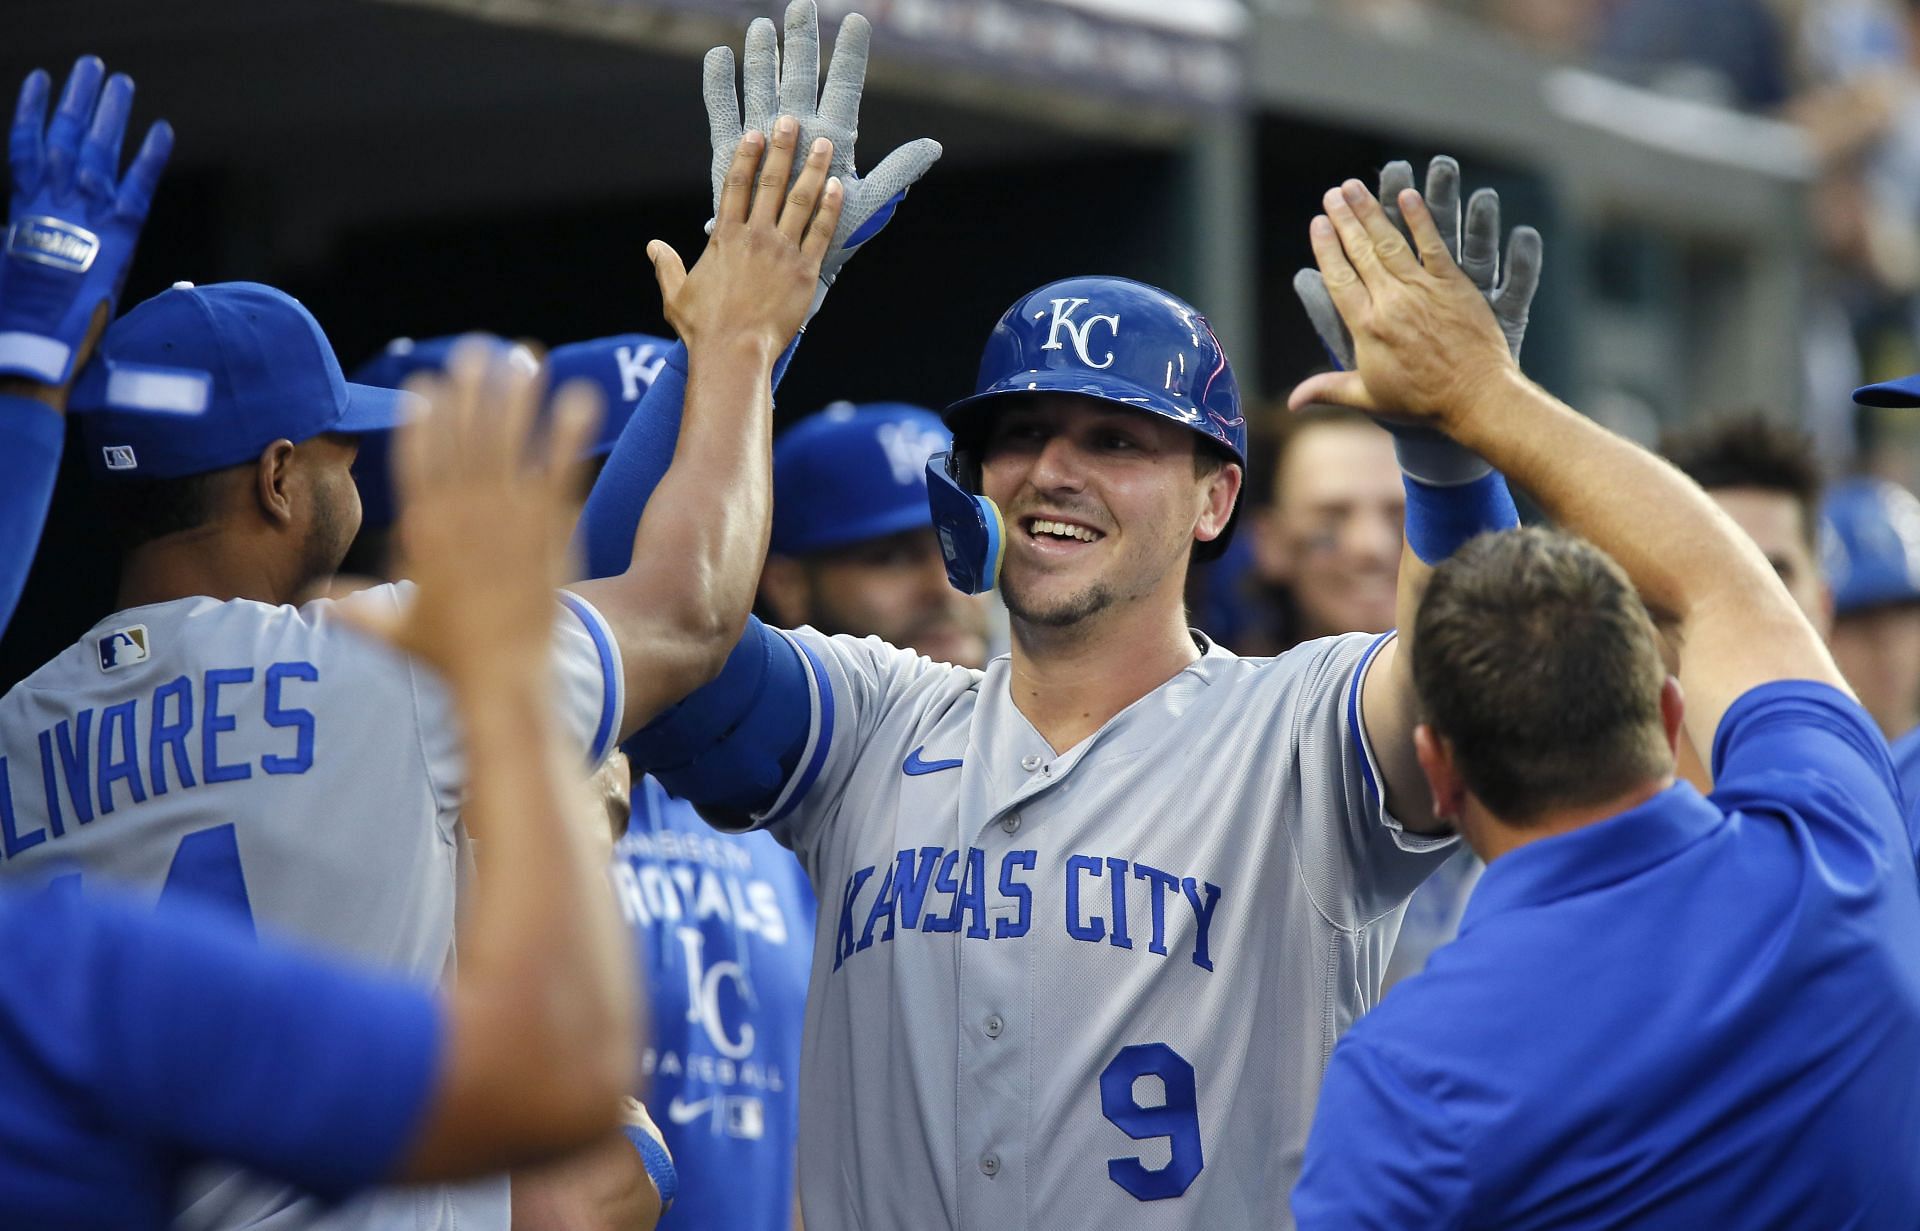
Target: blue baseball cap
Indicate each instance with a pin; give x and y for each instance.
(200, 378)
(1871, 544)
(1895, 393)
(851, 473)
(623, 366)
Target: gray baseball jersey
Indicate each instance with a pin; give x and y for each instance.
(302, 776)
(1088, 988)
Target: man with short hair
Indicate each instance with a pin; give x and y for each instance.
(1048, 881)
(1663, 1010)
(190, 720)
(1766, 477)
(1329, 542)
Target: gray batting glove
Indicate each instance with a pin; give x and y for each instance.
(771, 90)
(1424, 453)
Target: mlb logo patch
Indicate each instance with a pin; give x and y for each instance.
(123, 647)
(118, 457)
(746, 1118)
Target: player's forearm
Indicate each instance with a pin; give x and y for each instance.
(702, 541)
(1392, 709)
(1692, 565)
(543, 1005)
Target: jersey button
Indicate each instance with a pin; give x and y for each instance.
(994, 1025)
(989, 1164)
(1011, 822)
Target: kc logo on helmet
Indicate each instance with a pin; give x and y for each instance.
(49, 241)
(1076, 331)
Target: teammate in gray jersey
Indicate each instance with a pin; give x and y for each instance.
(213, 739)
(1092, 919)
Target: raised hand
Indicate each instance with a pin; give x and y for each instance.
(1477, 251)
(771, 88)
(757, 277)
(484, 518)
(1425, 339)
(73, 220)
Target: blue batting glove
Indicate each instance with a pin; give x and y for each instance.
(72, 221)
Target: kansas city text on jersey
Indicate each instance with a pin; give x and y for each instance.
(1108, 901)
(107, 756)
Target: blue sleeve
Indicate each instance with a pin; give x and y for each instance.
(199, 1038)
(731, 744)
(1796, 742)
(31, 436)
(1382, 1153)
(637, 464)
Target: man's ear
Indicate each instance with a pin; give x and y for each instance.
(1223, 489)
(272, 482)
(1443, 777)
(783, 591)
(1673, 713)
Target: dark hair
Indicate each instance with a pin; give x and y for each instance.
(141, 510)
(1534, 658)
(1749, 449)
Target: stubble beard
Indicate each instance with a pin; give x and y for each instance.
(1081, 605)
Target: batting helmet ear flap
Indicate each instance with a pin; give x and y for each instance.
(973, 538)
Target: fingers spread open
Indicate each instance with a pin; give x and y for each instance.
(71, 119)
(24, 149)
(1350, 295)
(736, 193)
(1442, 196)
(1395, 178)
(806, 191)
(760, 75)
(100, 152)
(847, 74)
(1480, 250)
(1523, 272)
(771, 191)
(1426, 236)
(1376, 250)
(575, 417)
(800, 65)
(820, 234)
(723, 102)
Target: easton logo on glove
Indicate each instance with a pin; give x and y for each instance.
(53, 242)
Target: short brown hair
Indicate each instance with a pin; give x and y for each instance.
(1749, 449)
(1535, 659)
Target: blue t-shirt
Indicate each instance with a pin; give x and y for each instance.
(136, 1043)
(723, 926)
(1697, 1013)
(1906, 766)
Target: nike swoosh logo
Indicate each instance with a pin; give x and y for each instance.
(687, 1113)
(915, 766)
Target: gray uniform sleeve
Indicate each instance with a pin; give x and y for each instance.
(855, 684)
(1357, 860)
(589, 691)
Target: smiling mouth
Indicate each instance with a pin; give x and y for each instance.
(1049, 530)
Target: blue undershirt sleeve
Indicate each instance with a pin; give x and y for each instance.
(732, 744)
(637, 464)
(221, 1047)
(31, 436)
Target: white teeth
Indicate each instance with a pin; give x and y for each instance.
(1041, 525)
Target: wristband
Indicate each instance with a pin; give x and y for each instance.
(659, 1164)
(1440, 519)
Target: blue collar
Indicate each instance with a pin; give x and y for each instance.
(1602, 853)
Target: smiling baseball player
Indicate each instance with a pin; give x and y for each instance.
(1092, 919)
